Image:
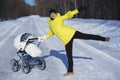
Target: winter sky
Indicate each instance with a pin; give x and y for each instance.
(30, 2)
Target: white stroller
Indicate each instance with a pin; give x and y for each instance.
(29, 54)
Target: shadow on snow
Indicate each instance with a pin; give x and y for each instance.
(63, 57)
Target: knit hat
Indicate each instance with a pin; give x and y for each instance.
(52, 11)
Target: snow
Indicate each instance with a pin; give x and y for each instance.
(93, 60)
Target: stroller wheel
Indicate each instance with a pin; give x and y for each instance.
(26, 67)
(42, 64)
(14, 65)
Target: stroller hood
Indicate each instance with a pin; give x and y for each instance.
(19, 41)
(25, 36)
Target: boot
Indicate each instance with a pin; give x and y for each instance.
(107, 39)
(68, 74)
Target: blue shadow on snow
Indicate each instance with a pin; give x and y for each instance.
(63, 57)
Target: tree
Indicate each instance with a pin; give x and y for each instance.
(102, 9)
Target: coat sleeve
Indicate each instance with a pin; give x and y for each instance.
(49, 34)
(70, 14)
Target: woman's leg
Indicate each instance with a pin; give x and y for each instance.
(80, 35)
(68, 48)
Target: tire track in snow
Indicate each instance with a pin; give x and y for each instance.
(99, 66)
(40, 25)
(9, 30)
(96, 51)
(35, 27)
(17, 26)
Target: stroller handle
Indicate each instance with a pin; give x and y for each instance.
(32, 39)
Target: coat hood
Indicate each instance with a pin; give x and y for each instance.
(57, 15)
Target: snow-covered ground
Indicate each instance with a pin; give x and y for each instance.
(93, 60)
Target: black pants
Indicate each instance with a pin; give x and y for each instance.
(79, 35)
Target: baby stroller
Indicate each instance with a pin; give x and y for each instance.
(26, 61)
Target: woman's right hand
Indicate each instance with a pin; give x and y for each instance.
(41, 38)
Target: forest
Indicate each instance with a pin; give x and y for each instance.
(97, 9)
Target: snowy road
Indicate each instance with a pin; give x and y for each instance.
(93, 60)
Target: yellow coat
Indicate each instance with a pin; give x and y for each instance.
(58, 28)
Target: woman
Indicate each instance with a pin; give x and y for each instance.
(67, 34)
